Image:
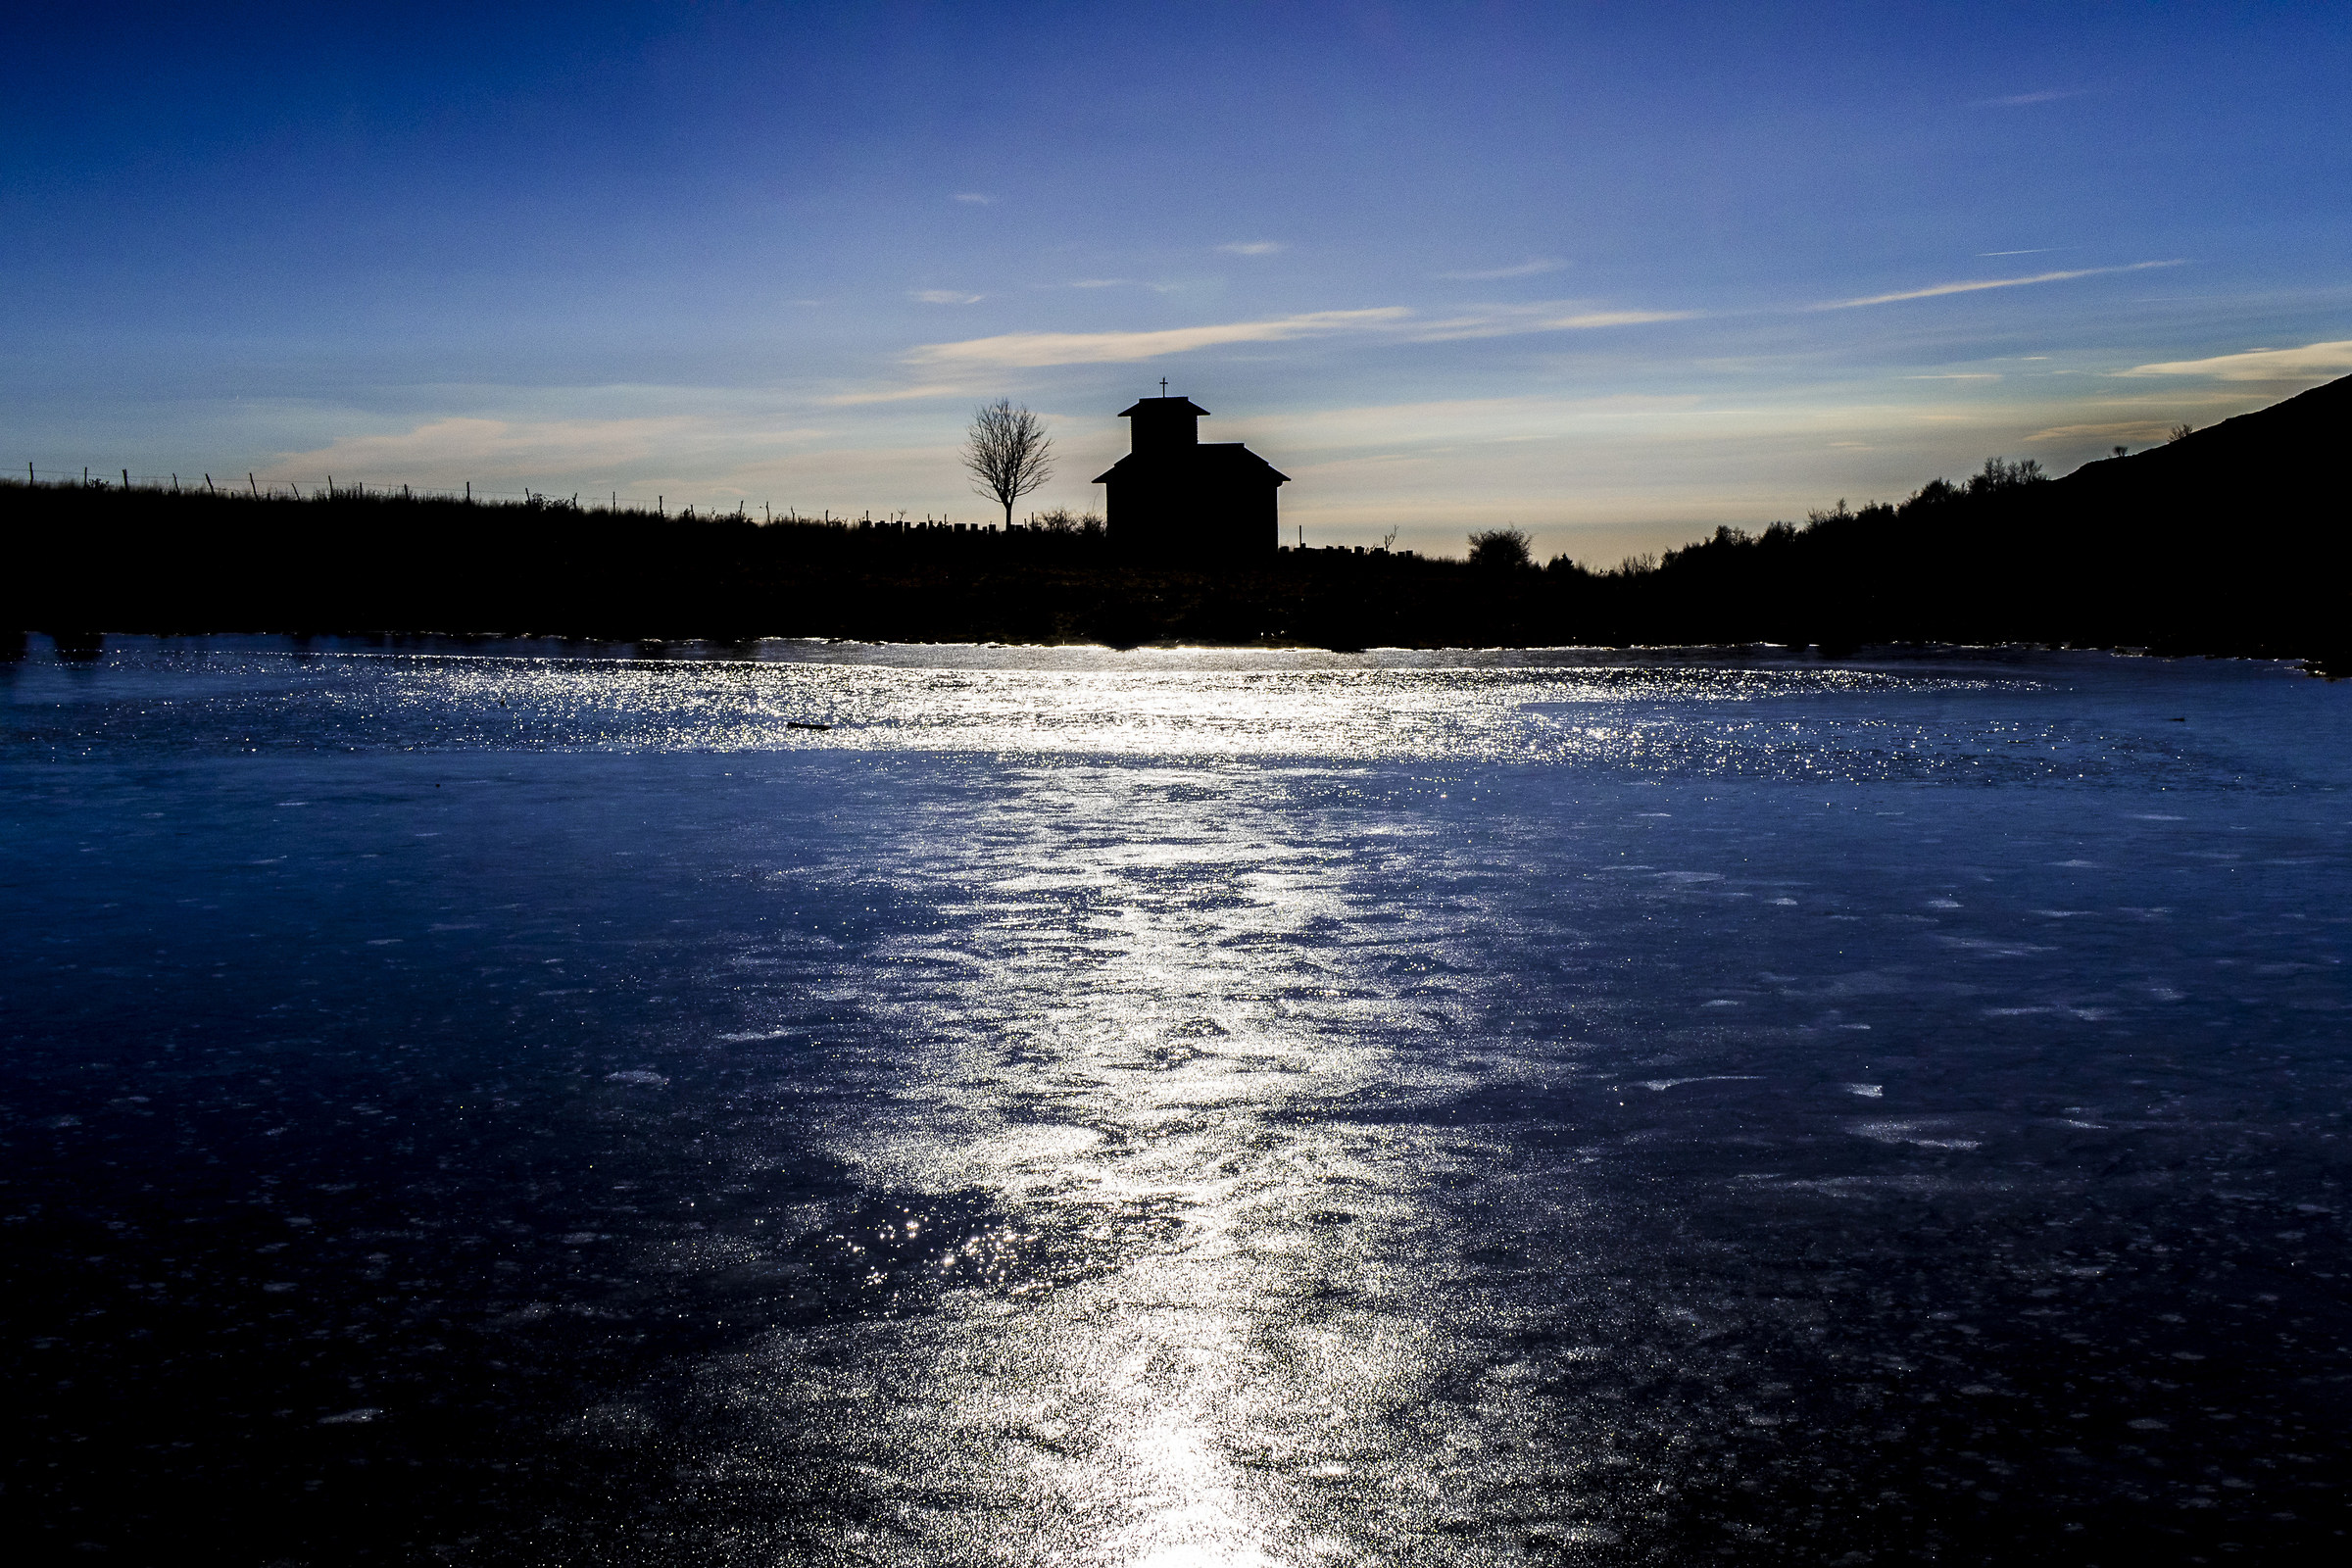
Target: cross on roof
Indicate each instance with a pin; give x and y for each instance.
(1163, 386)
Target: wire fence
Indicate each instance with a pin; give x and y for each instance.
(328, 488)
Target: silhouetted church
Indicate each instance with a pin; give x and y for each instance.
(1175, 498)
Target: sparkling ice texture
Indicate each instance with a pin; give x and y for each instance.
(519, 1104)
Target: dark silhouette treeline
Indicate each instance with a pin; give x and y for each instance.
(2229, 541)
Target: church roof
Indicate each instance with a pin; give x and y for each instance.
(1175, 404)
(1210, 460)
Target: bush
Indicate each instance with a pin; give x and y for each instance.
(1502, 549)
(1061, 519)
(1999, 475)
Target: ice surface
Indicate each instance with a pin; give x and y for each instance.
(512, 1105)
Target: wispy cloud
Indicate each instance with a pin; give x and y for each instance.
(2260, 365)
(1958, 375)
(1526, 269)
(1030, 350)
(1253, 247)
(1119, 282)
(944, 296)
(1975, 285)
(976, 198)
(449, 450)
(1554, 316)
(2126, 430)
(2039, 250)
(1449, 422)
(2020, 100)
(904, 394)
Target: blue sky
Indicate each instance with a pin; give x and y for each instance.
(1617, 273)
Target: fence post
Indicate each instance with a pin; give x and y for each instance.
(125, 478)
(250, 485)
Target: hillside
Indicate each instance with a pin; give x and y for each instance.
(2233, 540)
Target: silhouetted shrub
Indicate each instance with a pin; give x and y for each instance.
(1998, 475)
(1502, 549)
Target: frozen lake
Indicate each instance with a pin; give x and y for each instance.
(1198, 1109)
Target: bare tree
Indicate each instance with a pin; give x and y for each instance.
(2180, 432)
(1009, 453)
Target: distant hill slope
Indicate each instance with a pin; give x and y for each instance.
(2231, 540)
(2261, 500)
(2234, 537)
(2288, 457)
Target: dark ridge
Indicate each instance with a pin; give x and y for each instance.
(2231, 541)
(2228, 541)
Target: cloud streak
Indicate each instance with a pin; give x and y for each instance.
(1251, 247)
(904, 394)
(2143, 430)
(1526, 269)
(2260, 365)
(2020, 100)
(450, 450)
(1035, 350)
(1554, 316)
(1977, 286)
(1032, 350)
